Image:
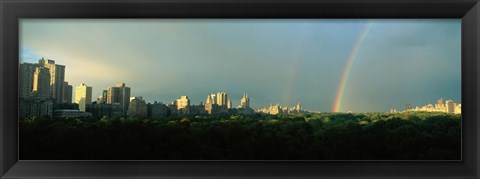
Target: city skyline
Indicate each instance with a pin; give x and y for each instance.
(296, 77)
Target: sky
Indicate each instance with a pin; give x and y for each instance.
(357, 65)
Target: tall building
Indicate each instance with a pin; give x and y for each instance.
(458, 108)
(83, 96)
(183, 104)
(57, 77)
(229, 104)
(119, 94)
(34, 91)
(244, 102)
(210, 105)
(138, 107)
(449, 106)
(222, 99)
(67, 92)
(440, 102)
(41, 82)
(26, 79)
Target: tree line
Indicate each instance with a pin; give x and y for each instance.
(312, 136)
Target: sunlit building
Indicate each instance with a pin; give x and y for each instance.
(210, 105)
(448, 107)
(222, 99)
(229, 104)
(244, 102)
(57, 78)
(119, 94)
(278, 109)
(83, 96)
(183, 104)
(41, 82)
(275, 109)
(34, 91)
(458, 108)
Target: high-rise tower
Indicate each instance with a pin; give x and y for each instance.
(67, 92)
(222, 99)
(57, 77)
(83, 96)
(41, 82)
(119, 94)
(26, 79)
(244, 102)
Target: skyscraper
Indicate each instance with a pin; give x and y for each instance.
(26, 79)
(119, 94)
(67, 92)
(41, 82)
(83, 96)
(229, 104)
(244, 102)
(449, 106)
(210, 105)
(57, 77)
(183, 104)
(34, 101)
(222, 98)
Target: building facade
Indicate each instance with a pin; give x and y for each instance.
(137, 107)
(109, 110)
(32, 106)
(41, 82)
(83, 96)
(157, 110)
(210, 105)
(57, 78)
(119, 94)
(448, 107)
(245, 102)
(67, 92)
(183, 105)
(26, 72)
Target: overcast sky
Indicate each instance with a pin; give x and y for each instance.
(274, 61)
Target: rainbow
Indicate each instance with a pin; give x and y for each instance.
(294, 70)
(351, 58)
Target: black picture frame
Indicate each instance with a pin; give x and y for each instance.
(12, 10)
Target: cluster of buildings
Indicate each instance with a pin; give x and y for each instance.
(42, 86)
(214, 104)
(447, 107)
(278, 109)
(44, 92)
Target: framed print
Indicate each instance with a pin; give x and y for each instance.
(239, 89)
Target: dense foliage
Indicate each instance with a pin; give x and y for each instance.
(320, 136)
